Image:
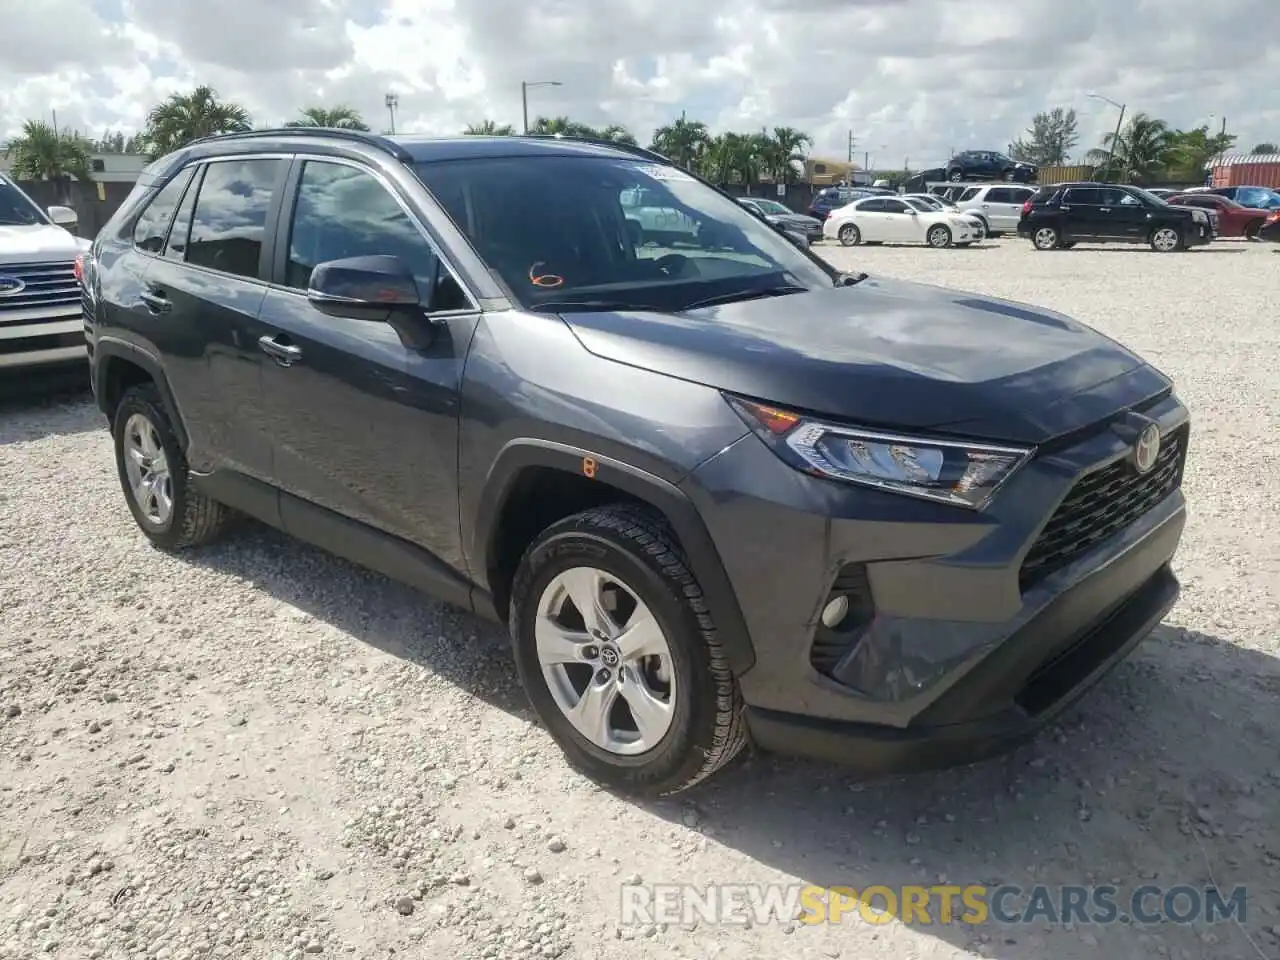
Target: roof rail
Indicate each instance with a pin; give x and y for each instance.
(631, 148)
(333, 133)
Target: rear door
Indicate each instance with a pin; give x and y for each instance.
(871, 219)
(366, 424)
(206, 291)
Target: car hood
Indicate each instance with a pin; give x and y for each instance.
(798, 220)
(891, 354)
(37, 243)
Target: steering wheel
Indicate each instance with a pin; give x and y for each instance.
(672, 264)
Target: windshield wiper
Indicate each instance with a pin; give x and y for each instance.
(781, 290)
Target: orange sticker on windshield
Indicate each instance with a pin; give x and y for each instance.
(589, 468)
(544, 279)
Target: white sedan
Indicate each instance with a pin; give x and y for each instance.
(922, 200)
(893, 220)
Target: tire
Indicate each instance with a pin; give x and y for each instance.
(1251, 229)
(192, 519)
(955, 176)
(1008, 176)
(849, 235)
(1046, 238)
(1165, 240)
(939, 236)
(635, 548)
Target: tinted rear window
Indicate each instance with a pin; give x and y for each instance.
(15, 209)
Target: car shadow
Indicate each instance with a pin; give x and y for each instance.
(1140, 249)
(31, 409)
(1164, 774)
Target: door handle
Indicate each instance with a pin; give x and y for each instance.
(1105, 209)
(1064, 207)
(282, 353)
(155, 301)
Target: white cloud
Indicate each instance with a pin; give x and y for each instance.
(910, 78)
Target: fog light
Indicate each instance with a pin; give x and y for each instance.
(835, 611)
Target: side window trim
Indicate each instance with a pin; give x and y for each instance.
(192, 190)
(284, 213)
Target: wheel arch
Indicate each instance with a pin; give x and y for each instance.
(117, 366)
(512, 512)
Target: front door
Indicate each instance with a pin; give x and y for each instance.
(1130, 216)
(900, 225)
(366, 424)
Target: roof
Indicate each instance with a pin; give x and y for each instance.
(1235, 159)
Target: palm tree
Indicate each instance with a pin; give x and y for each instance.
(549, 126)
(42, 153)
(685, 142)
(186, 117)
(338, 118)
(781, 151)
(1143, 149)
(617, 133)
(488, 128)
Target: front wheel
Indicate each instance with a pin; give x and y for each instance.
(1165, 239)
(939, 237)
(619, 655)
(849, 235)
(1046, 238)
(955, 176)
(1251, 229)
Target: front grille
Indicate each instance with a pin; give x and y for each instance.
(831, 645)
(46, 285)
(1101, 504)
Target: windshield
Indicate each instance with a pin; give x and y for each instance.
(770, 206)
(15, 209)
(1150, 198)
(591, 232)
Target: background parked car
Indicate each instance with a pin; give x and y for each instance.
(989, 165)
(783, 216)
(832, 198)
(1060, 216)
(653, 222)
(1230, 220)
(999, 207)
(1262, 198)
(927, 202)
(893, 220)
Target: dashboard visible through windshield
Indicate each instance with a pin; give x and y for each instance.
(594, 232)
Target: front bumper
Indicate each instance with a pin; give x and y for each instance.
(954, 652)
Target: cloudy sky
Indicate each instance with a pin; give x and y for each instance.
(911, 78)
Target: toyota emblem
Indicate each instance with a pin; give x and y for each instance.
(1147, 449)
(609, 657)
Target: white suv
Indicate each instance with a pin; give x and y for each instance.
(998, 204)
(41, 325)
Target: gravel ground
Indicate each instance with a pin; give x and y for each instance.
(256, 750)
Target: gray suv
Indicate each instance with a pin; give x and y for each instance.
(718, 491)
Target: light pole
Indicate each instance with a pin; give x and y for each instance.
(392, 100)
(524, 95)
(1116, 136)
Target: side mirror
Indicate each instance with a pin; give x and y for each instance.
(913, 211)
(380, 289)
(63, 216)
(364, 288)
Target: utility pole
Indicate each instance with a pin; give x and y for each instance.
(524, 96)
(55, 124)
(851, 146)
(392, 101)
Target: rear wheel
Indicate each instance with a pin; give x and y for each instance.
(1251, 229)
(849, 234)
(955, 176)
(155, 478)
(939, 236)
(1165, 239)
(619, 655)
(1046, 238)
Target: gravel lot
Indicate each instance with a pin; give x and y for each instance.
(259, 751)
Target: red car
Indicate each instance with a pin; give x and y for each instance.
(1233, 219)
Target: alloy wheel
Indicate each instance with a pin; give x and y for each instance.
(1165, 239)
(606, 660)
(1046, 238)
(147, 467)
(849, 235)
(939, 237)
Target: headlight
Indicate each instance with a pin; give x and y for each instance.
(955, 472)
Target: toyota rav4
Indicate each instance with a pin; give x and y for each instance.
(718, 491)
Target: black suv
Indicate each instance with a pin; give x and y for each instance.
(717, 490)
(833, 198)
(1065, 214)
(989, 165)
